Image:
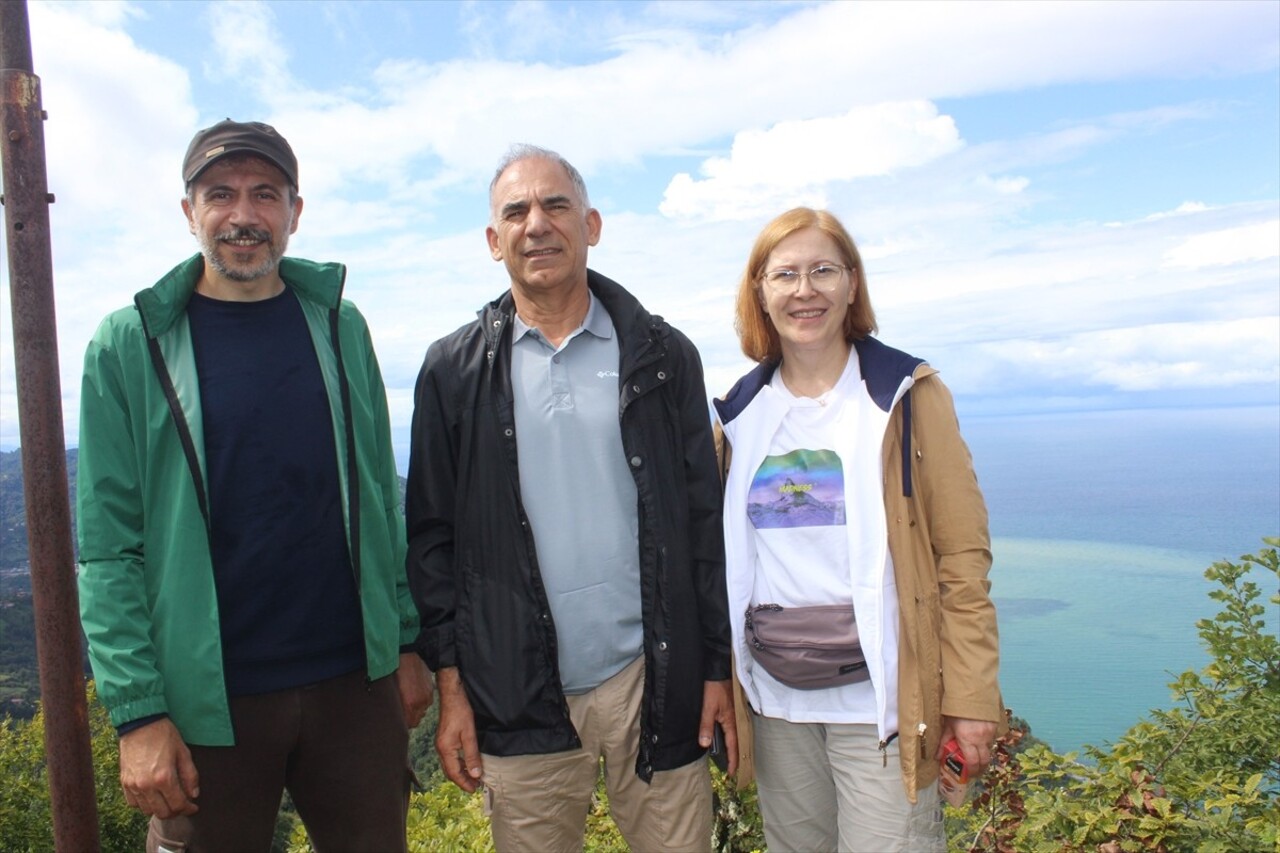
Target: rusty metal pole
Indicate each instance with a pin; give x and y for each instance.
(44, 466)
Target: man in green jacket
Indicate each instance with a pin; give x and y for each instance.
(242, 580)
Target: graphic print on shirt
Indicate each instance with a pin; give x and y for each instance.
(803, 488)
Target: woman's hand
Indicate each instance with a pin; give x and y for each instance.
(976, 739)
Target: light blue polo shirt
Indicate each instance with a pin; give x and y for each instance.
(579, 495)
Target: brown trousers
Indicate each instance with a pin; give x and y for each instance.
(339, 747)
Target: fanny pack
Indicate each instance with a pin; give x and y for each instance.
(807, 648)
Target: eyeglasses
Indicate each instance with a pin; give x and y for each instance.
(824, 278)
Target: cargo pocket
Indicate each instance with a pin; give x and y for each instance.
(925, 830)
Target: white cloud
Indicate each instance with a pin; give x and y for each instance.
(788, 163)
(984, 283)
(1164, 356)
(247, 49)
(394, 164)
(116, 112)
(1184, 209)
(1003, 185)
(661, 89)
(1229, 246)
(110, 14)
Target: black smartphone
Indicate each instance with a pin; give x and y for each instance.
(719, 755)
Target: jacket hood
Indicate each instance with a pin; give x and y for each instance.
(883, 368)
(164, 302)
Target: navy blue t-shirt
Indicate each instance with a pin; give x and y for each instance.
(287, 600)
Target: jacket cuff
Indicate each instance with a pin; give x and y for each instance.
(437, 648)
(135, 709)
(409, 633)
(717, 667)
(132, 725)
(960, 709)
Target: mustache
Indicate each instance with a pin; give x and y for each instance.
(242, 233)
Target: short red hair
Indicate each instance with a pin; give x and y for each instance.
(758, 337)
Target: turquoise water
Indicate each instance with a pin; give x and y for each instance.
(1091, 633)
(1103, 525)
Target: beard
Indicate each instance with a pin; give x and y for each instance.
(210, 244)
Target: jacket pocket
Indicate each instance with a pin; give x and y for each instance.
(929, 645)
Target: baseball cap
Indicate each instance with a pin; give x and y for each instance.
(229, 137)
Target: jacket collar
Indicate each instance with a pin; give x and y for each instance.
(164, 302)
(883, 369)
(641, 335)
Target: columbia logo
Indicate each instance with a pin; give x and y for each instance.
(605, 374)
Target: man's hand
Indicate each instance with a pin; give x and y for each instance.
(413, 680)
(156, 771)
(975, 737)
(456, 734)
(717, 707)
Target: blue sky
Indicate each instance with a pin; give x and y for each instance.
(1063, 206)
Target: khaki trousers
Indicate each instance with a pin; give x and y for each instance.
(827, 786)
(540, 802)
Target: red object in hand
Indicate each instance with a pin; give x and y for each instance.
(953, 780)
(953, 760)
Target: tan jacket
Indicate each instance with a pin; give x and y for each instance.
(941, 551)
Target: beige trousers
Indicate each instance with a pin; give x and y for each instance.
(540, 802)
(827, 786)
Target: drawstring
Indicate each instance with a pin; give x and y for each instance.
(906, 445)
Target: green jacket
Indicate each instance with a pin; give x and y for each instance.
(147, 598)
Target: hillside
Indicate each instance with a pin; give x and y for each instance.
(13, 517)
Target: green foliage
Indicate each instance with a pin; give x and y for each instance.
(445, 818)
(1203, 776)
(602, 835)
(26, 823)
(448, 818)
(422, 749)
(24, 796)
(736, 825)
(288, 824)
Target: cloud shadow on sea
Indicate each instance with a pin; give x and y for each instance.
(1028, 608)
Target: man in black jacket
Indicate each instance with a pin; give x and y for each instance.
(565, 546)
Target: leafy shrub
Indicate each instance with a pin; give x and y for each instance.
(1203, 776)
(26, 822)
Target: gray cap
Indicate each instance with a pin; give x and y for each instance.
(229, 137)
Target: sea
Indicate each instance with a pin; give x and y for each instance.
(1103, 524)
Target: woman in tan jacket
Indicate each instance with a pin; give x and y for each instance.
(850, 503)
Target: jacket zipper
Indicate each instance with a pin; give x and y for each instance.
(884, 749)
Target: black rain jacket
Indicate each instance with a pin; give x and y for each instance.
(472, 563)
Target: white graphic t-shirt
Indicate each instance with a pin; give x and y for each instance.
(796, 504)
